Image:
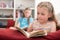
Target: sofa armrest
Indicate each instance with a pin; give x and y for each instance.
(10, 23)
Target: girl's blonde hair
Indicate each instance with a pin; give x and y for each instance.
(50, 8)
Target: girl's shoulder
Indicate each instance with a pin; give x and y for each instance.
(52, 22)
(31, 18)
(20, 19)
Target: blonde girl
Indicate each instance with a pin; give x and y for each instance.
(45, 18)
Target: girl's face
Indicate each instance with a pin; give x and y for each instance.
(27, 13)
(42, 14)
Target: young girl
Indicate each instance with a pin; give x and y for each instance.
(45, 18)
(24, 21)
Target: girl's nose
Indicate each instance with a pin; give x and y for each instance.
(40, 15)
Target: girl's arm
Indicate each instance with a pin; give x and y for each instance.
(53, 28)
(17, 24)
(30, 28)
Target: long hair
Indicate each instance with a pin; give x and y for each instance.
(50, 8)
(24, 15)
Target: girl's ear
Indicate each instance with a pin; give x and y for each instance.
(50, 15)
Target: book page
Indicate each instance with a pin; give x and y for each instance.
(32, 34)
(23, 31)
(37, 33)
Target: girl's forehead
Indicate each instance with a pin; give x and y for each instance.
(42, 9)
(27, 10)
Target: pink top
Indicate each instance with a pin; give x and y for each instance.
(37, 26)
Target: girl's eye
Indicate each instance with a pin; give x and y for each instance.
(26, 12)
(37, 13)
(42, 14)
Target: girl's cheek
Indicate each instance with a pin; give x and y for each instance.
(45, 18)
(42, 17)
(28, 14)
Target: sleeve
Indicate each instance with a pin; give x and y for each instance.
(31, 20)
(53, 28)
(19, 20)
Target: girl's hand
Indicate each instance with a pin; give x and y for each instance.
(42, 32)
(13, 28)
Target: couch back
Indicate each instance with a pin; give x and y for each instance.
(10, 23)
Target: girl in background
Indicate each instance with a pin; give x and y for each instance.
(24, 21)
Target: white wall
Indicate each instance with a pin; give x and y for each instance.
(25, 3)
(56, 4)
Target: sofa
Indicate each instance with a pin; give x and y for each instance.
(9, 34)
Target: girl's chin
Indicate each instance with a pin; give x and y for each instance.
(27, 17)
(42, 21)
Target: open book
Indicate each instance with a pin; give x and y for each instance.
(33, 33)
